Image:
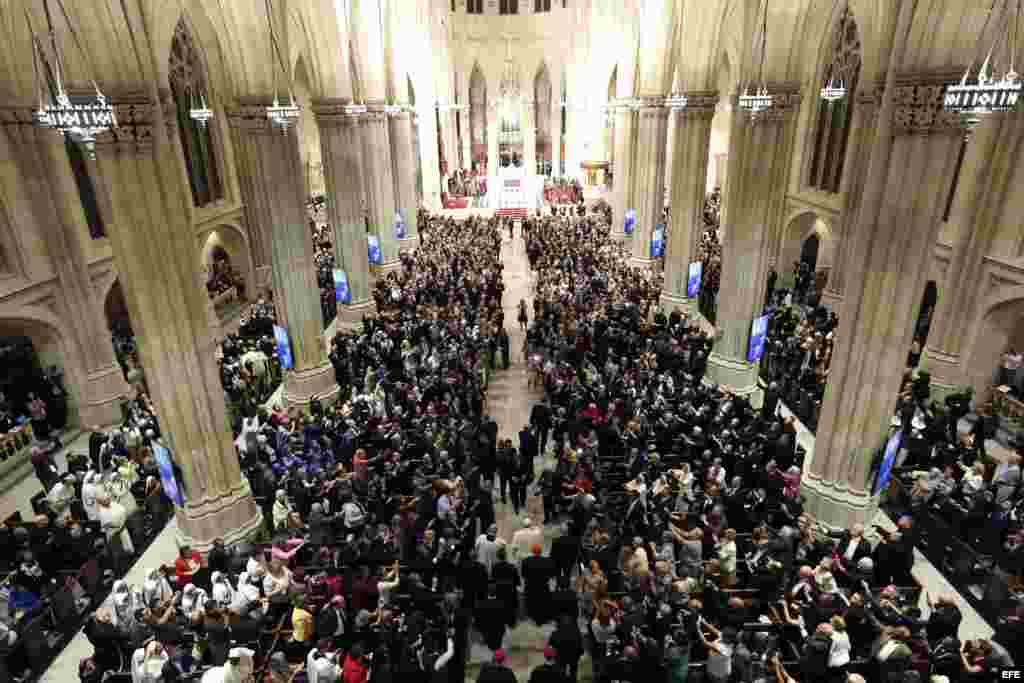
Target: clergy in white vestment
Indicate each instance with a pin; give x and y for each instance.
(112, 518)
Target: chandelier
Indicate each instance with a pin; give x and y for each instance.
(987, 94)
(761, 99)
(677, 102)
(833, 92)
(281, 116)
(82, 121)
(445, 107)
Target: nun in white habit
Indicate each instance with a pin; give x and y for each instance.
(156, 588)
(148, 663)
(90, 492)
(223, 593)
(238, 669)
(322, 667)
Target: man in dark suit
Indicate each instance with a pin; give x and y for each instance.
(568, 644)
(565, 551)
(540, 420)
(506, 581)
(852, 548)
(528, 446)
(332, 622)
(537, 573)
(771, 401)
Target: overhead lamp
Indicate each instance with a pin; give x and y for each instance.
(202, 114)
(987, 94)
(761, 100)
(281, 116)
(833, 92)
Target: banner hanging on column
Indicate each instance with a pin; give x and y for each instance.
(398, 225)
(342, 294)
(758, 333)
(284, 347)
(627, 227)
(373, 252)
(694, 275)
(658, 241)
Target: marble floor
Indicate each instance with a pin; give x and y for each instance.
(509, 401)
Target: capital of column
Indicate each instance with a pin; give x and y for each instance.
(919, 108)
(335, 112)
(249, 114)
(136, 124)
(700, 104)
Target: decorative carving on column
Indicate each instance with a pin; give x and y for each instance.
(155, 253)
(919, 111)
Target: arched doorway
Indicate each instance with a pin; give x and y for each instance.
(923, 324)
(36, 360)
(1001, 328)
(808, 246)
(122, 335)
(226, 267)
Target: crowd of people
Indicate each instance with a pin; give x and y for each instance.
(709, 253)
(468, 183)
(250, 370)
(665, 534)
(562, 191)
(221, 277)
(323, 257)
(797, 356)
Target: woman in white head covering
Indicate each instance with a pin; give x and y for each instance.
(193, 600)
(223, 593)
(90, 491)
(281, 509)
(156, 588)
(322, 667)
(248, 596)
(124, 605)
(238, 668)
(148, 663)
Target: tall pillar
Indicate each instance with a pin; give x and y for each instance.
(42, 164)
(758, 170)
(650, 175)
(450, 139)
(622, 190)
(277, 193)
(556, 135)
(404, 165)
(493, 130)
(429, 157)
(997, 140)
(912, 161)
(142, 173)
(341, 150)
(689, 173)
(377, 178)
(529, 141)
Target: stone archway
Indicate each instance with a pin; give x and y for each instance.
(53, 350)
(232, 240)
(998, 327)
(807, 237)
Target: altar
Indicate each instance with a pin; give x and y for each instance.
(514, 192)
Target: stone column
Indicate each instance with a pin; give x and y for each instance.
(556, 130)
(758, 170)
(650, 175)
(450, 139)
(277, 192)
(142, 174)
(341, 150)
(529, 141)
(622, 190)
(41, 162)
(689, 177)
(493, 131)
(430, 160)
(998, 141)
(379, 183)
(912, 161)
(404, 165)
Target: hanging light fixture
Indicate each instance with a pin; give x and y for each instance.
(987, 94)
(761, 99)
(82, 121)
(677, 102)
(282, 116)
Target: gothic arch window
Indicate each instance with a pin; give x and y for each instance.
(188, 87)
(474, 6)
(541, 5)
(508, 7)
(832, 126)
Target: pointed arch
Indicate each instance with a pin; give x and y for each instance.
(478, 113)
(189, 83)
(841, 64)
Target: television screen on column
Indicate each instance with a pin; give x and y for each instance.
(373, 252)
(165, 465)
(658, 241)
(892, 449)
(693, 277)
(758, 333)
(284, 347)
(342, 293)
(627, 227)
